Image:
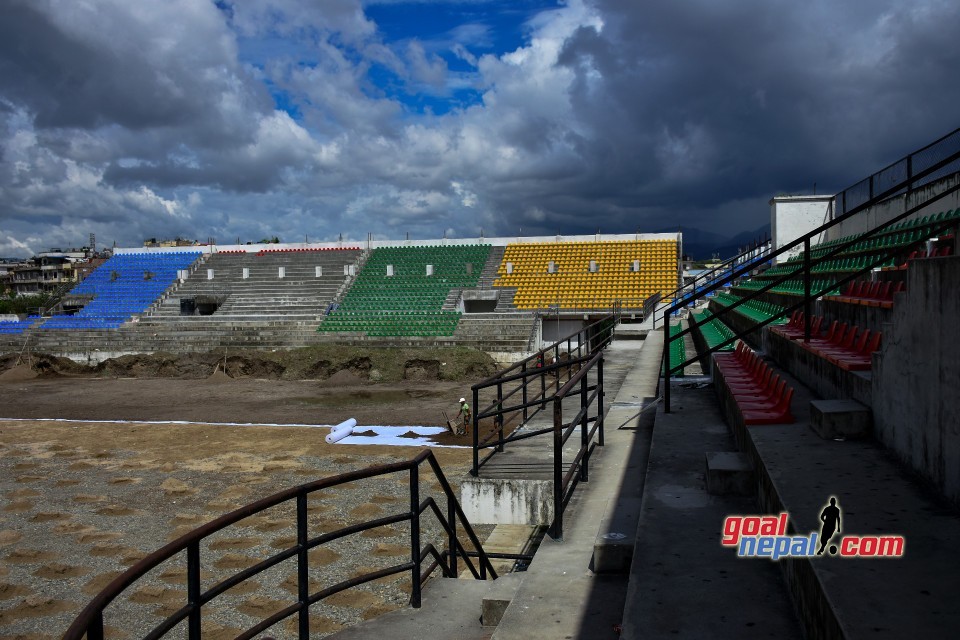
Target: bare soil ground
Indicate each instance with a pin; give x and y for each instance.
(81, 502)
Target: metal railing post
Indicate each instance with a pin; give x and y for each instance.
(543, 385)
(666, 361)
(556, 361)
(193, 590)
(476, 434)
(557, 533)
(524, 392)
(500, 414)
(600, 400)
(95, 630)
(806, 288)
(584, 458)
(415, 535)
(452, 541)
(303, 575)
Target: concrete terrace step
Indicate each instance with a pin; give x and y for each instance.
(686, 585)
(450, 608)
(561, 596)
(912, 596)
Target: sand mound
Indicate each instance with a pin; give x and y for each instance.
(342, 378)
(18, 373)
(219, 376)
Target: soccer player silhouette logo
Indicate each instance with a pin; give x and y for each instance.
(830, 517)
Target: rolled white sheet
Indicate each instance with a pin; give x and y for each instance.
(350, 423)
(341, 431)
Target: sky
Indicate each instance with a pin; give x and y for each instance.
(316, 119)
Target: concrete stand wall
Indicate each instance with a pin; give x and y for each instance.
(507, 501)
(917, 374)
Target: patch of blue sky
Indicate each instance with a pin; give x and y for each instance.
(484, 26)
(458, 93)
(285, 102)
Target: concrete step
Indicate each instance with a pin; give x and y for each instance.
(450, 609)
(840, 419)
(729, 473)
(560, 595)
(683, 583)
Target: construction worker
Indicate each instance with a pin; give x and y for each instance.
(464, 417)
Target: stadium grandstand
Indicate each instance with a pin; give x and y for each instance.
(769, 449)
(492, 293)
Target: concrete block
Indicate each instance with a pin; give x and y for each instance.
(507, 501)
(847, 419)
(613, 547)
(499, 594)
(729, 473)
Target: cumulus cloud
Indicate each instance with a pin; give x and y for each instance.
(302, 119)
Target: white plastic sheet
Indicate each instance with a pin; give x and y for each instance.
(341, 431)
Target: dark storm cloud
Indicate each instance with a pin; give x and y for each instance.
(68, 83)
(142, 118)
(694, 104)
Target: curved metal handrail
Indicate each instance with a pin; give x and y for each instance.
(90, 622)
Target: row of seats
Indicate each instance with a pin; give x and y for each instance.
(844, 265)
(891, 237)
(756, 310)
(940, 252)
(398, 323)
(678, 350)
(409, 302)
(16, 327)
(574, 285)
(761, 395)
(264, 252)
(714, 332)
(869, 293)
(124, 285)
(848, 347)
(793, 287)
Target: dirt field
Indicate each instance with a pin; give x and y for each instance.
(83, 501)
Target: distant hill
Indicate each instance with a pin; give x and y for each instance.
(703, 245)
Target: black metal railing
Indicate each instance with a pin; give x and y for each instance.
(684, 295)
(522, 390)
(90, 622)
(915, 170)
(650, 306)
(804, 269)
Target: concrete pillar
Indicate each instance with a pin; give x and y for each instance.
(794, 216)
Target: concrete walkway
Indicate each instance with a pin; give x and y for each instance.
(561, 596)
(683, 583)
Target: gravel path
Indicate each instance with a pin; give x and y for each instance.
(80, 503)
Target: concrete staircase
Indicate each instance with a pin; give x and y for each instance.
(505, 300)
(262, 311)
(489, 273)
(299, 295)
(496, 331)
